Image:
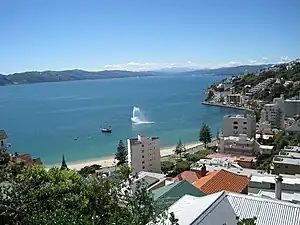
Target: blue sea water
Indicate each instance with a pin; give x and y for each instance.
(43, 119)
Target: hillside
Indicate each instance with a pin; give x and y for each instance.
(237, 70)
(67, 75)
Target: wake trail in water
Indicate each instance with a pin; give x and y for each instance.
(138, 117)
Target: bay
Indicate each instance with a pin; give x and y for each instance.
(43, 119)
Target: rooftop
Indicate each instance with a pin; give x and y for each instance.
(232, 158)
(149, 179)
(286, 160)
(190, 176)
(292, 148)
(267, 211)
(171, 193)
(222, 180)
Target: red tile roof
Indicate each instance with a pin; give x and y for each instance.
(190, 176)
(222, 180)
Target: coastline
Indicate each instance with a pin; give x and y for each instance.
(226, 106)
(109, 161)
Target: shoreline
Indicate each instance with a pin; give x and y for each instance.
(226, 106)
(109, 161)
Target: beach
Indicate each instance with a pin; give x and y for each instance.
(110, 161)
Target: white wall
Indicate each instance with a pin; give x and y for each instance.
(235, 125)
(144, 154)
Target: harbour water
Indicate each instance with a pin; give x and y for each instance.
(51, 119)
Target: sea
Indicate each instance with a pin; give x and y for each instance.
(48, 120)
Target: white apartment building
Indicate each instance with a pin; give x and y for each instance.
(272, 113)
(233, 125)
(144, 154)
(241, 145)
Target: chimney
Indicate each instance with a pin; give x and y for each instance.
(278, 188)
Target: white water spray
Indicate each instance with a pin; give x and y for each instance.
(138, 117)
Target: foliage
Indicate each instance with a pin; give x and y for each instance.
(205, 135)
(180, 148)
(199, 155)
(167, 166)
(121, 154)
(41, 197)
(87, 170)
(250, 221)
(182, 166)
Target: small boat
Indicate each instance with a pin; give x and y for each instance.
(106, 130)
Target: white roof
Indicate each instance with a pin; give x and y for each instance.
(285, 196)
(269, 147)
(271, 179)
(267, 211)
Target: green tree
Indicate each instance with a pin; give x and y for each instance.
(250, 221)
(45, 197)
(182, 166)
(121, 154)
(167, 166)
(180, 148)
(205, 135)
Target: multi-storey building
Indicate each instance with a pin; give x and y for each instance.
(144, 154)
(233, 125)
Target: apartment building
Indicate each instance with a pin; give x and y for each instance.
(272, 114)
(260, 87)
(287, 161)
(289, 107)
(241, 145)
(236, 99)
(233, 125)
(144, 154)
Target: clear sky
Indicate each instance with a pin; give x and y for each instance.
(145, 34)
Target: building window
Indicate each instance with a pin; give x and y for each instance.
(143, 167)
(235, 122)
(2, 143)
(143, 156)
(235, 127)
(142, 151)
(286, 167)
(245, 122)
(142, 145)
(143, 162)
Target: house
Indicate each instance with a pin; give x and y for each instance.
(226, 207)
(207, 210)
(3, 140)
(294, 129)
(190, 176)
(169, 194)
(241, 145)
(241, 160)
(223, 180)
(144, 154)
(27, 160)
(149, 180)
(287, 161)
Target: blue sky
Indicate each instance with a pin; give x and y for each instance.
(145, 34)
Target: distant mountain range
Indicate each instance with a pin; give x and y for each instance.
(69, 75)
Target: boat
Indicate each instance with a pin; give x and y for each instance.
(106, 130)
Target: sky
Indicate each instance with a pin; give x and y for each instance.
(145, 34)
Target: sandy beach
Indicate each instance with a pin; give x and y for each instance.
(110, 161)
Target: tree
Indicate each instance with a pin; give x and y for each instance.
(121, 154)
(43, 197)
(179, 148)
(205, 135)
(182, 166)
(63, 164)
(167, 166)
(250, 221)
